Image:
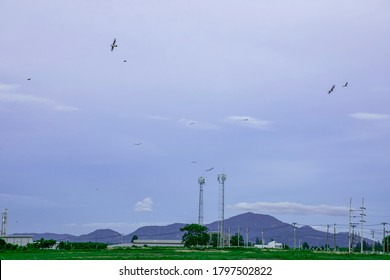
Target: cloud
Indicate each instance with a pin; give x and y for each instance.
(198, 124)
(158, 118)
(248, 121)
(31, 99)
(144, 205)
(6, 87)
(26, 200)
(369, 116)
(291, 208)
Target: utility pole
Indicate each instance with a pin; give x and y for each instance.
(334, 237)
(221, 209)
(229, 236)
(246, 236)
(384, 236)
(373, 240)
(295, 235)
(349, 226)
(353, 236)
(238, 237)
(327, 237)
(387, 243)
(262, 236)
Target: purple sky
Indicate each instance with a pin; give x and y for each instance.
(241, 86)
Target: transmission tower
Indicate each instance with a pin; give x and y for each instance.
(201, 181)
(221, 207)
(362, 221)
(4, 222)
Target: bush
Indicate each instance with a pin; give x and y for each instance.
(41, 244)
(4, 246)
(81, 246)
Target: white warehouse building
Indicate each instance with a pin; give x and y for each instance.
(21, 240)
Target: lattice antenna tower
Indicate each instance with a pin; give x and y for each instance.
(201, 181)
(221, 207)
(4, 222)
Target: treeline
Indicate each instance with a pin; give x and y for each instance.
(81, 246)
(196, 235)
(52, 244)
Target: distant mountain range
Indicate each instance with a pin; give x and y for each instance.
(250, 225)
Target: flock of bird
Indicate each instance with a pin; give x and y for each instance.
(333, 87)
(115, 45)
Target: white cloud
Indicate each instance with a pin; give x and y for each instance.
(291, 208)
(6, 87)
(27, 200)
(248, 121)
(144, 205)
(31, 99)
(158, 118)
(198, 124)
(369, 116)
(24, 98)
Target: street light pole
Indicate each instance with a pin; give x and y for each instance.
(295, 235)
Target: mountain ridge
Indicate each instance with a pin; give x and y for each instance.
(252, 226)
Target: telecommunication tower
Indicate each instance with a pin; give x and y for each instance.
(221, 207)
(4, 222)
(201, 181)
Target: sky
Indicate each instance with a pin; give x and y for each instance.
(92, 138)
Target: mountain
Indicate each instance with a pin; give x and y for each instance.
(169, 232)
(101, 235)
(260, 226)
(250, 225)
(108, 236)
(48, 235)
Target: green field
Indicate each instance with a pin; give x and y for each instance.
(180, 253)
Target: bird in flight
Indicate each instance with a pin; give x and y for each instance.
(125, 60)
(246, 119)
(209, 169)
(331, 89)
(137, 144)
(346, 84)
(113, 45)
(28, 79)
(193, 161)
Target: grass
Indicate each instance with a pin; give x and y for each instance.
(180, 253)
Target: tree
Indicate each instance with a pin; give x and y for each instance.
(135, 237)
(2, 244)
(195, 235)
(259, 241)
(386, 243)
(42, 244)
(214, 240)
(237, 240)
(378, 246)
(305, 245)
